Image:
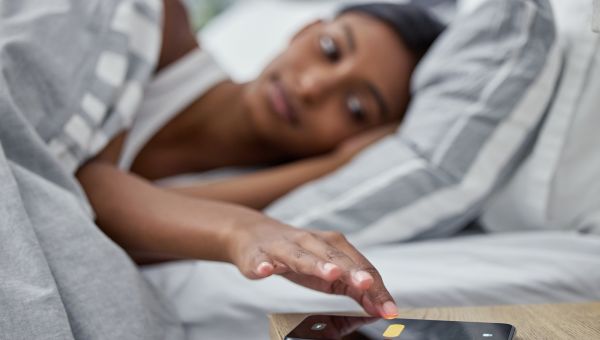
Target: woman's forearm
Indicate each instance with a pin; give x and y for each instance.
(144, 219)
(257, 190)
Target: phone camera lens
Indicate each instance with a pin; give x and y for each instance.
(319, 326)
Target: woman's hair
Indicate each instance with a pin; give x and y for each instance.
(413, 24)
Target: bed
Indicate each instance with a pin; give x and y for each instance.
(215, 301)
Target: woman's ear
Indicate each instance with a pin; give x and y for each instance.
(307, 28)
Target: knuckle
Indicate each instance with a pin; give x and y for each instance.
(303, 236)
(300, 253)
(334, 254)
(305, 265)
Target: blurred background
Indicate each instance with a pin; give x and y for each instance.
(244, 35)
(202, 11)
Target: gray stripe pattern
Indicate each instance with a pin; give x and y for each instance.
(467, 90)
(61, 277)
(85, 63)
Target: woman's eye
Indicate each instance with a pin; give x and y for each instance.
(356, 109)
(329, 48)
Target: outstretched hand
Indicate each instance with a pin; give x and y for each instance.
(320, 260)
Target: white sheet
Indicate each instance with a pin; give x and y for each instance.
(216, 302)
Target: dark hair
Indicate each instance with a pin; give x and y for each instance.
(415, 26)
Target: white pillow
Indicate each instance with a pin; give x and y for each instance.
(248, 35)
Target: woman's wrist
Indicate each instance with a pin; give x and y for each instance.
(237, 222)
(226, 238)
(340, 157)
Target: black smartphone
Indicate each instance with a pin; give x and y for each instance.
(336, 327)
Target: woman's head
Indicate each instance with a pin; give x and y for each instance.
(338, 78)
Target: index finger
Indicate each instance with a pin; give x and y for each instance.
(377, 294)
(352, 274)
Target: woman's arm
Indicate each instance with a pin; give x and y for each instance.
(177, 36)
(144, 219)
(259, 189)
(148, 220)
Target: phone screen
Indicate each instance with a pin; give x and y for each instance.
(333, 327)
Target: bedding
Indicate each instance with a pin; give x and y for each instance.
(546, 188)
(61, 277)
(45, 255)
(537, 266)
(557, 186)
(214, 301)
(478, 99)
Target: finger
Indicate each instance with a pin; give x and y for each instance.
(334, 247)
(280, 268)
(368, 306)
(376, 300)
(377, 294)
(300, 260)
(339, 264)
(260, 266)
(338, 287)
(312, 282)
(383, 301)
(360, 296)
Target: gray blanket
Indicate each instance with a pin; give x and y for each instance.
(60, 276)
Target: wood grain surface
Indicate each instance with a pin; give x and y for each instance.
(533, 322)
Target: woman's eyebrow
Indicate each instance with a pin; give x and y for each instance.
(383, 108)
(351, 41)
(349, 37)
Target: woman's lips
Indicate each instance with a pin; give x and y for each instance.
(280, 103)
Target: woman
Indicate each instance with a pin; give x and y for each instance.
(315, 95)
(333, 82)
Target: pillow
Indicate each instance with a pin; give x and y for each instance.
(480, 95)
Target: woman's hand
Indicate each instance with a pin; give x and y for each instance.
(322, 261)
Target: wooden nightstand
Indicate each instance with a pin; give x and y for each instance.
(533, 322)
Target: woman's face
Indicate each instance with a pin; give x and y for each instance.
(335, 79)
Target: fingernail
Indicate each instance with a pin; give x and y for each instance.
(390, 310)
(329, 267)
(362, 276)
(264, 268)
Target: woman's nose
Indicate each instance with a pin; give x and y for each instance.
(317, 84)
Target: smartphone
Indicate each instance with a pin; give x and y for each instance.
(336, 327)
